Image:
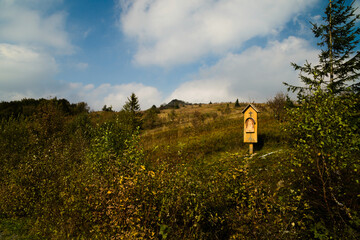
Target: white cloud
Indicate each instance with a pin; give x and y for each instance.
(112, 95)
(170, 32)
(256, 74)
(24, 68)
(31, 35)
(21, 24)
(18, 87)
(29, 40)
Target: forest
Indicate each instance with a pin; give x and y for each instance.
(182, 171)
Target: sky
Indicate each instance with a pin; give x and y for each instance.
(99, 52)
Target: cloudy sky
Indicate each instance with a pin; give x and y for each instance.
(194, 50)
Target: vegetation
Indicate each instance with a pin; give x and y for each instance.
(132, 108)
(325, 143)
(188, 176)
(324, 129)
(174, 104)
(237, 104)
(339, 60)
(279, 104)
(107, 109)
(28, 107)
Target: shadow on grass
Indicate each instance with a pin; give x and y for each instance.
(260, 144)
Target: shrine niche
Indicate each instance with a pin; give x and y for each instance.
(250, 124)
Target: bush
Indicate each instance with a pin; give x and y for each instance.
(324, 133)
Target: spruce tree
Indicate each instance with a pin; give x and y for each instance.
(339, 60)
(132, 107)
(132, 104)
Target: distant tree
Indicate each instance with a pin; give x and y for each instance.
(80, 107)
(155, 109)
(27, 107)
(237, 104)
(339, 61)
(107, 109)
(132, 108)
(132, 104)
(277, 105)
(151, 118)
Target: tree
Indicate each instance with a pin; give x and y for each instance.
(107, 109)
(237, 104)
(323, 129)
(339, 61)
(132, 107)
(132, 104)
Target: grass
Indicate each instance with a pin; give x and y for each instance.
(206, 131)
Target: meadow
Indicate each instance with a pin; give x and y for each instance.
(185, 174)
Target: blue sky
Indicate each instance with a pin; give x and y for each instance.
(195, 50)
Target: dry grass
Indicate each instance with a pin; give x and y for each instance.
(206, 131)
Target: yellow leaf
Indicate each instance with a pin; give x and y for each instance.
(151, 173)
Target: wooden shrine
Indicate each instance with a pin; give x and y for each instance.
(250, 126)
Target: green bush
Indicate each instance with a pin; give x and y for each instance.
(324, 132)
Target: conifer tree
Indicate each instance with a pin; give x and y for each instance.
(339, 60)
(132, 104)
(237, 104)
(132, 107)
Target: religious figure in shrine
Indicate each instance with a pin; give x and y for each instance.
(249, 125)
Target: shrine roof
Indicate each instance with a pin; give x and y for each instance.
(252, 106)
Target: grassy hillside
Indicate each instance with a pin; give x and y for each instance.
(204, 131)
(186, 174)
(212, 187)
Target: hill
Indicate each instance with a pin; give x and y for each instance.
(175, 103)
(185, 174)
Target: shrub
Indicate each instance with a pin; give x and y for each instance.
(324, 132)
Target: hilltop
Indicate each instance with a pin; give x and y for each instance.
(175, 103)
